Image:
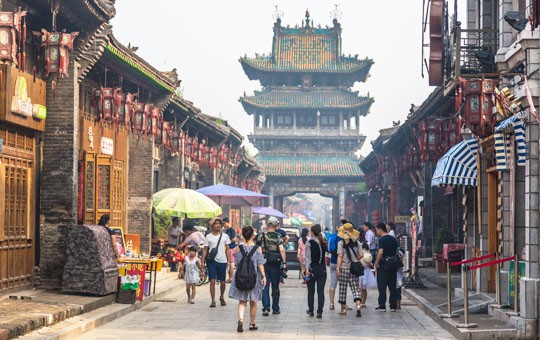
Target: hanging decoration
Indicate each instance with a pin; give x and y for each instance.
(155, 122)
(103, 99)
(119, 106)
(475, 97)
(129, 110)
(138, 118)
(166, 135)
(13, 37)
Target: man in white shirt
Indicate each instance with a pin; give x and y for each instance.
(217, 268)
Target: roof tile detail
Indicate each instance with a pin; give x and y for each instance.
(289, 98)
(309, 166)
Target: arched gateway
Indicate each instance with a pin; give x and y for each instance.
(306, 116)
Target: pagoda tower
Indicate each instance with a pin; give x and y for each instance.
(306, 117)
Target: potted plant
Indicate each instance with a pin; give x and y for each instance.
(444, 236)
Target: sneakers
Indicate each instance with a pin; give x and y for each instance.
(380, 309)
(276, 312)
(265, 313)
(310, 313)
(319, 315)
(393, 310)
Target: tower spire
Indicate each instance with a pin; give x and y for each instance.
(307, 18)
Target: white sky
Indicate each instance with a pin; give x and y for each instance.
(204, 39)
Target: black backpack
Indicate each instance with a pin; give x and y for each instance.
(245, 277)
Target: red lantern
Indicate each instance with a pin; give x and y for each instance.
(139, 119)
(194, 152)
(10, 29)
(128, 110)
(213, 157)
(166, 134)
(176, 139)
(147, 119)
(155, 120)
(104, 101)
(221, 156)
(478, 108)
(188, 150)
(208, 156)
(119, 107)
(57, 47)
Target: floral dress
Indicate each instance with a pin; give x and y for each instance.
(191, 271)
(302, 255)
(254, 294)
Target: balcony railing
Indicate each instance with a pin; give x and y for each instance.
(475, 51)
(305, 131)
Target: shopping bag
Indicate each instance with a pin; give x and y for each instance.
(370, 282)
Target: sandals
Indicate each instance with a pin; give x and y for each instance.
(222, 302)
(332, 306)
(240, 327)
(358, 313)
(343, 312)
(213, 305)
(253, 327)
(363, 305)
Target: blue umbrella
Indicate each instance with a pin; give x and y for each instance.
(227, 195)
(269, 212)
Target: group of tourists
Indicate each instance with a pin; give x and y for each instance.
(256, 264)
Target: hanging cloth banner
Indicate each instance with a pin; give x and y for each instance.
(502, 141)
(532, 108)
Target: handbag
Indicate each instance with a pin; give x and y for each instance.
(272, 257)
(356, 267)
(211, 257)
(392, 262)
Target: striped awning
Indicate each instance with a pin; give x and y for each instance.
(458, 166)
(510, 121)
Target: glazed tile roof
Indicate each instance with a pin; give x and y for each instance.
(316, 62)
(316, 98)
(309, 166)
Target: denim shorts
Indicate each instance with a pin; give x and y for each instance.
(333, 276)
(217, 271)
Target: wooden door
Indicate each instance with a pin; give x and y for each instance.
(17, 213)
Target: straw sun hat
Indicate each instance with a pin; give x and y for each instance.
(347, 232)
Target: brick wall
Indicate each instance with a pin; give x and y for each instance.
(170, 175)
(140, 190)
(59, 177)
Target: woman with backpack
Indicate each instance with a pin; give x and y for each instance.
(348, 266)
(249, 279)
(316, 269)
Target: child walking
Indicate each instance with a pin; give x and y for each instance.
(191, 272)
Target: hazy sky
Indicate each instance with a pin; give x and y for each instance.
(204, 39)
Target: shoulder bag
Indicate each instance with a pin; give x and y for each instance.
(356, 267)
(211, 257)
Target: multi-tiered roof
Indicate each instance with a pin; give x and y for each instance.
(307, 74)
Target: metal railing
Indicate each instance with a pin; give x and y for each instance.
(475, 51)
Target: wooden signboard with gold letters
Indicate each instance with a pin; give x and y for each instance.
(22, 97)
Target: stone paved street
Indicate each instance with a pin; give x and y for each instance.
(173, 318)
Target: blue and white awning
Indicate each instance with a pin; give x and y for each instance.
(510, 122)
(458, 166)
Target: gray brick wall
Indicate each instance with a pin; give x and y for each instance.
(140, 190)
(59, 179)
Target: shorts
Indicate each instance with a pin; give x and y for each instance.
(217, 271)
(333, 276)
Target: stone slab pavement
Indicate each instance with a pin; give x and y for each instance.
(173, 318)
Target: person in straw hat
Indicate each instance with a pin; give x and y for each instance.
(349, 250)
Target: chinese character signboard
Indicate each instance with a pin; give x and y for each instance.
(140, 270)
(511, 277)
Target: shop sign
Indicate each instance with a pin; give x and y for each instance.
(402, 219)
(107, 146)
(138, 269)
(22, 105)
(511, 277)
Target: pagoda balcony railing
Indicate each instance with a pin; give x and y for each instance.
(305, 131)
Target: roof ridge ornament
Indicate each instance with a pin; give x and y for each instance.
(277, 15)
(307, 19)
(336, 14)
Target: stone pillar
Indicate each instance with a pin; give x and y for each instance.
(140, 190)
(59, 175)
(271, 196)
(341, 202)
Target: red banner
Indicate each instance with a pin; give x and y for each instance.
(137, 269)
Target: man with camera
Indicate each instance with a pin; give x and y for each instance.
(271, 244)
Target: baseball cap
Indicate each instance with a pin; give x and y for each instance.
(273, 221)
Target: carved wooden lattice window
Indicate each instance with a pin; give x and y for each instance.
(104, 184)
(117, 195)
(89, 188)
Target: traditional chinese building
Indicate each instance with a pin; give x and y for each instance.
(306, 117)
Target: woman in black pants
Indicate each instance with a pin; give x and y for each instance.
(316, 269)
